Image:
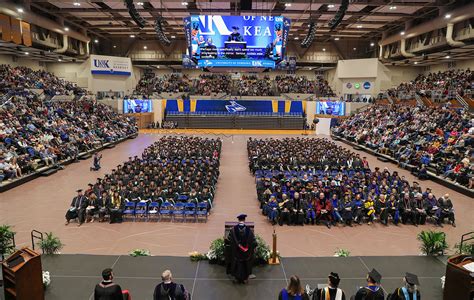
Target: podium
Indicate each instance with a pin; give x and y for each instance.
(459, 282)
(22, 276)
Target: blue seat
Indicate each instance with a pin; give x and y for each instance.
(153, 211)
(141, 210)
(178, 210)
(189, 210)
(201, 211)
(129, 210)
(166, 210)
(182, 198)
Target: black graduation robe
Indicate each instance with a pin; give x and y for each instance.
(366, 293)
(242, 244)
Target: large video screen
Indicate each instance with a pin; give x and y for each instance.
(330, 108)
(237, 41)
(135, 106)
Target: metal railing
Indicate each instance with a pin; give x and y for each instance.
(35, 235)
(462, 101)
(464, 238)
(419, 101)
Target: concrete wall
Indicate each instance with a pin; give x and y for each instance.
(461, 64)
(24, 62)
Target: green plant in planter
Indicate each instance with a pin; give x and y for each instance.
(50, 244)
(196, 256)
(342, 253)
(216, 251)
(6, 240)
(467, 248)
(262, 251)
(432, 242)
(140, 252)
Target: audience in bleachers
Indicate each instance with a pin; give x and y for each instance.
(35, 133)
(172, 170)
(170, 83)
(443, 82)
(441, 139)
(14, 81)
(251, 85)
(302, 85)
(213, 83)
(311, 180)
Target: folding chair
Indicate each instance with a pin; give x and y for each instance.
(166, 210)
(129, 210)
(153, 211)
(201, 211)
(178, 211)
(189, 210)
(141, 211)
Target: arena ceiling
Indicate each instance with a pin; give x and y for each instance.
(364, 19)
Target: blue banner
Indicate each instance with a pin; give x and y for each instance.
(238, 63)
(237, 38)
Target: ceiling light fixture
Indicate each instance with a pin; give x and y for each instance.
(96, 41)
(354, 48)
(447, 56)
(140, 3)
(288, 4)
(297, 38)
(372, 44)
(132, 36)
(145, 47)
(115, 46)
(392, 7)
(324, 49)
(20, 10)
(77, 4)
(331, 6)
(415, 62)
(402, 33)
(27, 53)
(447, 16)
(184, 3)
(173, 36)
(60, 59)
(336, 39)
(66, 28)
(359, 26)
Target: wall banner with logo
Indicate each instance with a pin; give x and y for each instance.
(111, 65)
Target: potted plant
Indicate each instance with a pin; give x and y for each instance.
(140, 252)
(342, 253)
(467, 248)
(50, 244)
(7, 245)
(432, 242)
(196, 256)
(262, 251)
(216, 252)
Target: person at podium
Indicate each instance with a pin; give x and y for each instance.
(235, 36)
(242, 245)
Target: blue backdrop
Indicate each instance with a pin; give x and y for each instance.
(330, 108)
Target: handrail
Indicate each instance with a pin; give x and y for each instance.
(462, 101)
(35, 234)
(419, 100)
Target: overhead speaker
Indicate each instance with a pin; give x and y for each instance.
(310, 36)
(162, 38)
(245, 4)
(341, 12)
(139, 20)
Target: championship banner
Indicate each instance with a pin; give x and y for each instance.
(111, 65)
(237, 41)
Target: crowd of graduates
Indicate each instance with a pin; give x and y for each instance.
(312, 180)
(213, 83)
(173, 169)
(436, 138)
(170, 83)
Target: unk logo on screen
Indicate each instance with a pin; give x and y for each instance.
(235, 107)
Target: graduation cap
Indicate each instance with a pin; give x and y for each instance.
(375, 276)
(235, 27)
(334, 278)
(90, 184)
(411, 279)
(79, 190)
(241, 217)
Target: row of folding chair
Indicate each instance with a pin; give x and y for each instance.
(155, 211)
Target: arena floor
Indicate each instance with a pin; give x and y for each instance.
(41, 204)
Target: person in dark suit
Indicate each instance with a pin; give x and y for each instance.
(77, 208)
(235, 36)
(372, 291)
(107, 289)
(168, 289)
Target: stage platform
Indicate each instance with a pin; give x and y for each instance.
(74, 276)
